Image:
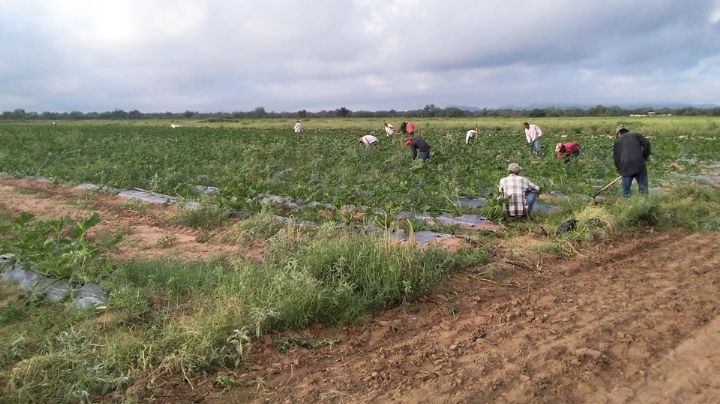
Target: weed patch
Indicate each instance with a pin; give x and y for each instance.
(207, 217)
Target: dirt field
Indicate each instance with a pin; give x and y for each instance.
(635, 321)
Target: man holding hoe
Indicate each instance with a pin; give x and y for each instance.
(532, 135)
(630, 152)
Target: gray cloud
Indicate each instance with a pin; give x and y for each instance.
(363, 54)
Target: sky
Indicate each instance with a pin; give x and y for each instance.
(289, 55)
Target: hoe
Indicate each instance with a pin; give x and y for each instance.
(606, 187)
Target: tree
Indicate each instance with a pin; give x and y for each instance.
(343, 112)
(430, 111)
(259, 112)
(537, 113)
(454, 112)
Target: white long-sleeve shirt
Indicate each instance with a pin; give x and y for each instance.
(532, 133)
(297, 127)
(369, 140)
(389, 129)
(469, 135)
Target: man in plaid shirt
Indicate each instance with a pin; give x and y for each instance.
(521, 191)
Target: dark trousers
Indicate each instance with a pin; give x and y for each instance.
(642, 180)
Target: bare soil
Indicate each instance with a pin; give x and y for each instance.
(637, 320)
(147, 229)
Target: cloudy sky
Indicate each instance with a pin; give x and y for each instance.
(288, 55)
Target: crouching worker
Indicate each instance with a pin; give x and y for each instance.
(368, 140)
(520, 191)
(420, 149)
(567, 151)
(389, 129)
(470, 135)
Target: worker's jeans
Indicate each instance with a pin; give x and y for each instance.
(423, 155)
(535, 146)
(531, 197)
(642, 181)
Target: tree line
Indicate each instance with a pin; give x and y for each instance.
(429, 111)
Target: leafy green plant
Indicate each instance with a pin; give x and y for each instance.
(59, 248)
(495, 207)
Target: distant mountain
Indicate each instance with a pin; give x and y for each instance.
(465, 108)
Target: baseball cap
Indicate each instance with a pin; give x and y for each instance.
(514, 168)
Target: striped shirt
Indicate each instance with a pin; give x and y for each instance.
(516, 186)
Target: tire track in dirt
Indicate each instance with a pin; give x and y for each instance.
(596, 329)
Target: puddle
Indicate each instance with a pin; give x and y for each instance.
(558, 195)
(283, 201)
(205, 190)
(294, 222)
(545, 208)
(160, 199)
(472, 202)
(463, 220)
(702, 178)
(87, 187)
(707, 179)
(424, 237)
(421, 237)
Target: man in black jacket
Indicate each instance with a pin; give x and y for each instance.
(630, 152)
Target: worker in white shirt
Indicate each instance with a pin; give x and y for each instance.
(389, 129)
(368, 140)
(532, 135)
(470, 135)
(298, 126)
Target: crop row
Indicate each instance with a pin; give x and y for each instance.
(328, 165)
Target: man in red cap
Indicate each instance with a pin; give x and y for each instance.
(419, 147)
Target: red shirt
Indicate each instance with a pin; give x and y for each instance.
(570, 148)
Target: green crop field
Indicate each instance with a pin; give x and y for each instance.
(246, 159)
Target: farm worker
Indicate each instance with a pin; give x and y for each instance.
(532, 135)
(630, 151)
(407, 127)
(567, 150)
(368, 140)
(420, 149)
(521, 191)
(470, 135)
(410, 128)
(298, 126)
(389, 129)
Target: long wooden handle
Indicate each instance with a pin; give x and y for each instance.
(607, 186)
